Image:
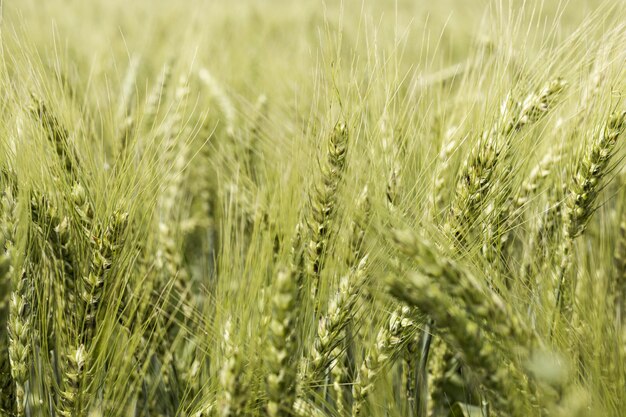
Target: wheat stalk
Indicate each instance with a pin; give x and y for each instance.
(619, 284)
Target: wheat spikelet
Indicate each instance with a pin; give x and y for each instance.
(67, 290)
(127, 89)
(104, 240)
(175, 155)
(391, 156)
(173, 125)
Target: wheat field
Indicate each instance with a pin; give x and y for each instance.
(312, 209)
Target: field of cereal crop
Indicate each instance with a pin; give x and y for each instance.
(312, 208)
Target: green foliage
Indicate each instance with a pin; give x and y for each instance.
(312, 208)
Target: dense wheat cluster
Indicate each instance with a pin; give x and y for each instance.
(312, 208)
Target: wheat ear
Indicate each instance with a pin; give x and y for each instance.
(468, 322)
(57, 135)
(11, 318)
(280, 383)
(476, 180)
(153, 101)
(125, 118)
(233, 396)
(580, 202)
(20, 329)
(458, 329)
(390, 341)
(330, 331)
(322, 202)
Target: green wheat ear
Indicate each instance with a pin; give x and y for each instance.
(331, 327)
(14, 353)
(580, 202)
(57, 135)
(280, 382)
(234, 389)
(322, 204)
(588, 176)
(396, 332)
